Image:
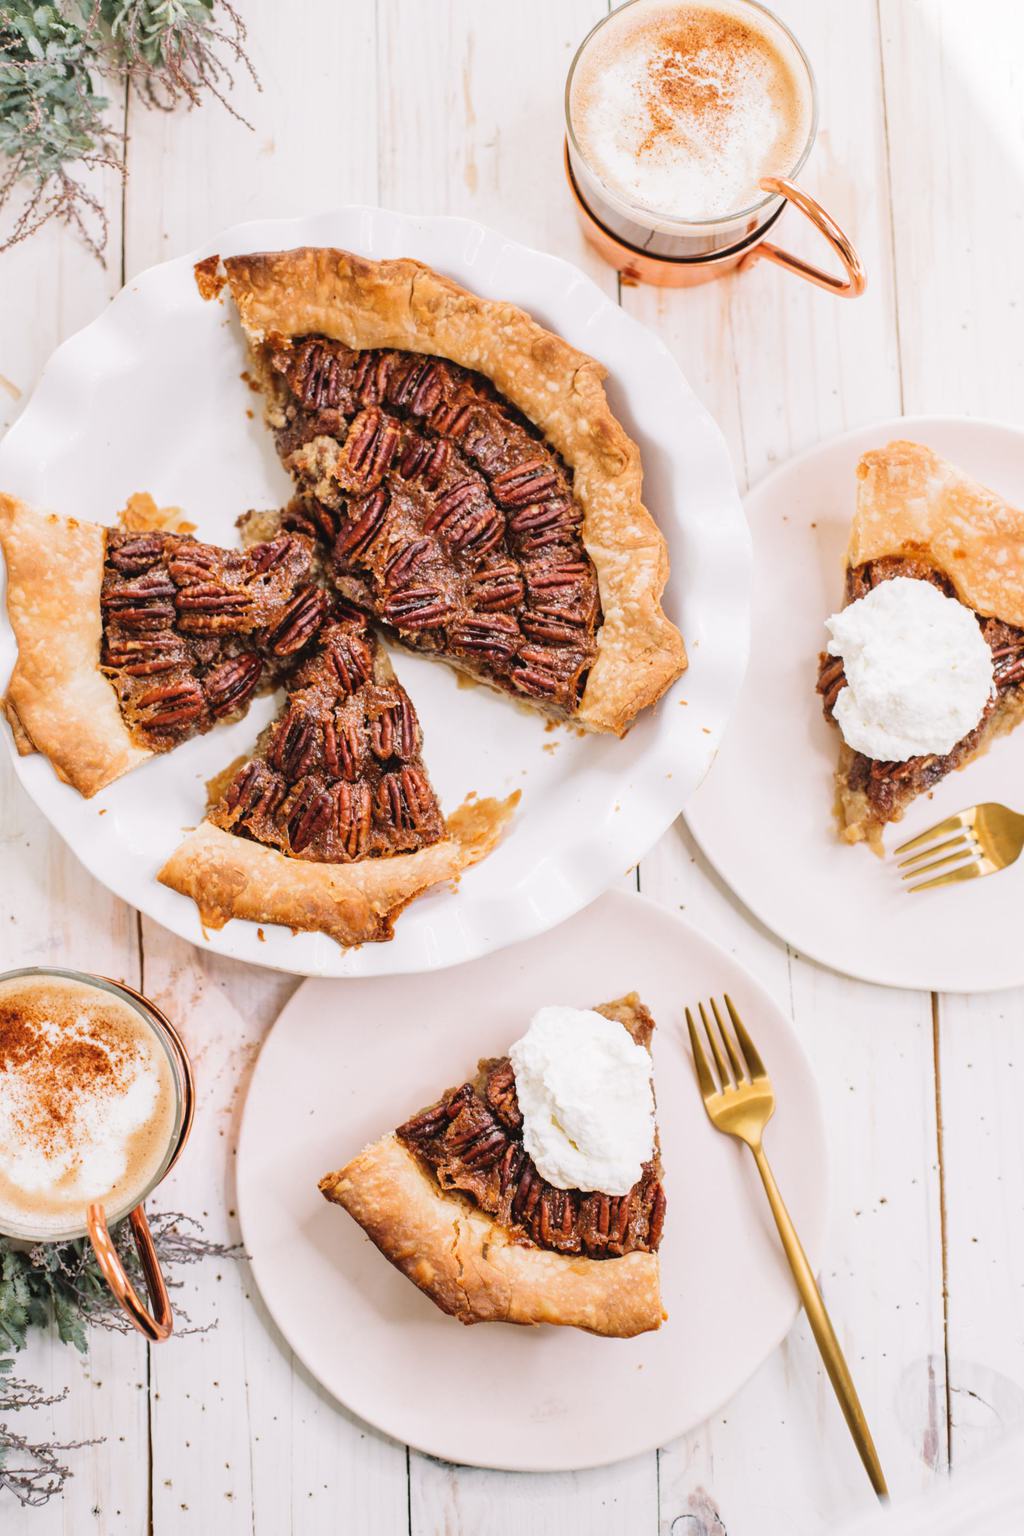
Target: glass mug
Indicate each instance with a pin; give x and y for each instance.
(158, 1323)
(679, 252)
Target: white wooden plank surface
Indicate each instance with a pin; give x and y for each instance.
(962, 339)
(449, 106)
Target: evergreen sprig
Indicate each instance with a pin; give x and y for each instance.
(54, 127)
(61, 1283)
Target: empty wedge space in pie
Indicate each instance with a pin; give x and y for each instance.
(533, 1192)
(461, 488)
(925, 667)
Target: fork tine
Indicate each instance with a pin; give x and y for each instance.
(964, 842)
(755, 1066)
(951, 824)
(708, 1087)
(965, 872)
(951, 858)
(737, 1065)
(724, 1075)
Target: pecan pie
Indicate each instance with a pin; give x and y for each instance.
(918, 516)
(465, 479)
(129, 642)
(454, 1201)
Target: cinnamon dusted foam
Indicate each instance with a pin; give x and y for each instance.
(681, 109)
(87, 1104)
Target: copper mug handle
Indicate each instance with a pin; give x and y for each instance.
(855, 280)
(158, 1324)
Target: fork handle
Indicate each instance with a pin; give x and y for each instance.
(821, 1327)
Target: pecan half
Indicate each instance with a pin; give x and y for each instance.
(425, 460)
(342, 747)
(292, 744)
(416, 608)
(478, 533)
(372, 442)
(524, 483)
(366, 521)
(565, 574)
(418, 388)
(351, 660)
(401, 567)
(456, 503)
(404, 800)
(496, 589)
(559, 626)
(208, 607)
(494, 634)
(255, 790)
(537, 676)
(315, 374)
(137, 554)
(312, 814)
(354, 817)
(371, 375)
(231, 684)
(500, 1093)
(172, 705)
(393, 732)
(299, 622)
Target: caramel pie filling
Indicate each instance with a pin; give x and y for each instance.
(889, 786)
(440, 510)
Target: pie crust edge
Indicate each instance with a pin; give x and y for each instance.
(58, 701)
(230, 876)
(911, 502)
(469, 1265)
(406, 305)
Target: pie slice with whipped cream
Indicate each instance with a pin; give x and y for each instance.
(464, 477)
(926, 664)
(533, 1192)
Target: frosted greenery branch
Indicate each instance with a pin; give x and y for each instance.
(60, 1284)
(55, 129)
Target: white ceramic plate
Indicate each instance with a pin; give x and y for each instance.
(149, 398)
(764, 815)
(344, 1065)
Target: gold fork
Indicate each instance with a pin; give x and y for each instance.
(740, 1101)
(986, 838)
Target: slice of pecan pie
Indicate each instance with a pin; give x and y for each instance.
(130, 642)
(919, 517)
(332, 824)
(464, 477)
(454, 1201)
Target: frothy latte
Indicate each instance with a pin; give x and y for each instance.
(88, 1104)
(680, 109)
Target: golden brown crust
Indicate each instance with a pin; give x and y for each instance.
(228, 876)
(912, 503)
(470, 1266)
(58, 700)
(406, 305)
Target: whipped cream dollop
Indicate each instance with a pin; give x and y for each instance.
(918, 671)
(585, 1094)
